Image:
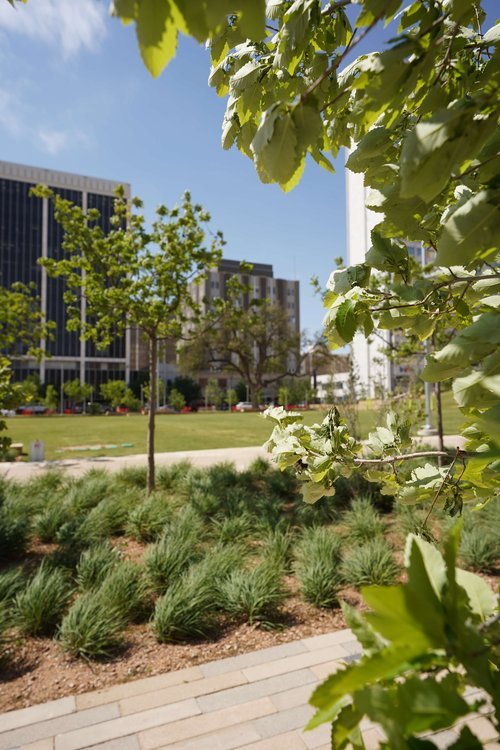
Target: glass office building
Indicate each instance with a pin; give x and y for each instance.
(28, 231)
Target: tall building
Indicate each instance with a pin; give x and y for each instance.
(374, 368)
(261, 281)
(28, 231)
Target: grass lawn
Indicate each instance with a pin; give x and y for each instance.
(173, 432)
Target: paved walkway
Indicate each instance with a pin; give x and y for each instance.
(256, 701)
(240, 457)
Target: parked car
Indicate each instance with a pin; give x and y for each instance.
(32, 409)
(244, 406)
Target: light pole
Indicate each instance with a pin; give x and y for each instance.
(427, 429)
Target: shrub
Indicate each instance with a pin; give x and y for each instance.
(256, 594)
(479, 549)
(132, 476)
(147, 521)
(317, 566)
(170, 477)
(90, 628)
(88, 491)
(94, 565)
(124, 589)
(15, 530)
(362, 521)
(175, 551)
(371, 563)
(108, 518)
(39, 608)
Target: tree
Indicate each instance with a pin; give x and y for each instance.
(153, 292)
(231, 398)
(77, 392)
(51, 399)
(176, 399)
(118, 394)
(258, 343)
(214, 394)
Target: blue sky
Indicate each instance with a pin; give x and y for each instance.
(74, 96)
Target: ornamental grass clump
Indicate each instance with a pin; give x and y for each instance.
(95, 564)
(277, 547)
(15, 531)
(147, 521)
(479, 548)
(125, 589)
(236, 528)
(255, 595)
(177, 548)
(370, 563)
(362, 521)
(91, 628)
(317, 566)
(39, 608)
(51, 519)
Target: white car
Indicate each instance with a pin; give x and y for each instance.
(244, 406)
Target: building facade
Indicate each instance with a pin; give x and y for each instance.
(28, 231)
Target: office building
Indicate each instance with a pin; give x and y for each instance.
(28, 231)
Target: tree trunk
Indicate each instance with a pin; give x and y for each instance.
(153, 375)
(439, 416)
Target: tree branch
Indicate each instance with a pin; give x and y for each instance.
(404, 457)
(458, 280)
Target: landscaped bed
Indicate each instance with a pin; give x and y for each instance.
(99, 584)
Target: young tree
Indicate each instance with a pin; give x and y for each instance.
(118, 394)
(176, 399)
(132, 275)
(51, 399)
(77, 392)
(214, 394)
(231, 398)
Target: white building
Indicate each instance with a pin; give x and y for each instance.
(374, 369)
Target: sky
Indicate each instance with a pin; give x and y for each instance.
(75, 96)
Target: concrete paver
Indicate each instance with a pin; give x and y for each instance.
(256, 701)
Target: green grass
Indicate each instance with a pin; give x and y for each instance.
(174, 432)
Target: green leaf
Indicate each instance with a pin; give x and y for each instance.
(472, 232)
(492, 36)
(308, 126)
(157, 24)
(481, 597)
(466, 741)
(346, 320)
(434, 149)
(387, 255)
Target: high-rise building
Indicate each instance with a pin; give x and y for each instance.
(28, 231)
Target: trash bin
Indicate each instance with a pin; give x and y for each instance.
(37, 450)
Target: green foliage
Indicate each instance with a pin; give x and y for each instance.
(90, 628)
(116, 393)
(317, 565)
(14, 532)
(40, 606)
(77, 391)
(11, 583)
(95, 564)
(255, 595)
(370, 563)
(147, 521)
(125, 589)
(480, 548)
(439, 610)
(176, 399)
(175, 550)
(362, 521)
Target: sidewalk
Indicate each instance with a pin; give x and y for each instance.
(240, 457)
(256, 701)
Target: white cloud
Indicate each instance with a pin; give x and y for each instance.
(10, 113)
(53, 141)
(68, 25)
